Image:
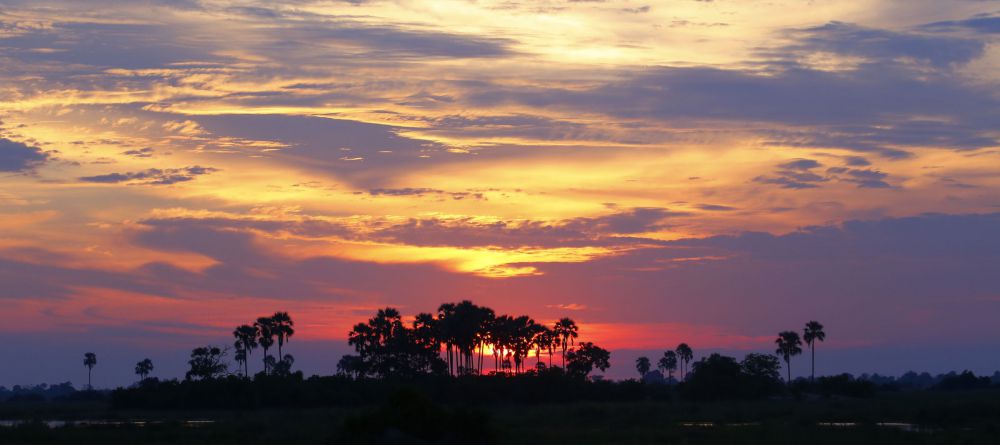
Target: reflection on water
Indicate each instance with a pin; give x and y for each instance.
(896, 425)
(103, 423)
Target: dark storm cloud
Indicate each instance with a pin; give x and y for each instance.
(19, 157)
(153, 176)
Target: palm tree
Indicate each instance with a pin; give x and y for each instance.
(246, 341)
(265, 336)
(241, 358)
(813, 332)
(89, 360)
(446, 332)
(566, 331)
(789, 345)
(143, 368)
(684, 354)
(543, 341)
(283, 328)
(642, 365)
(482, 338)
(668, 363)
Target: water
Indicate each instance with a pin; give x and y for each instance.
(909, 427)
(102, 423)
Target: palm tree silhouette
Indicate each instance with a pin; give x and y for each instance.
(89, 360)
(684, 354)
(813, 332)
(642, 365)
(143, 368)
(789, 345)
(668, 363)
(446, 332)
(566, 331)
(246, 341)
(265, 337)
(283, 328)
(543, 342)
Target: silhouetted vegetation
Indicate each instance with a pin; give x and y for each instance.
(684, 356)
(143, 368)
(718, 377)
(789, 345)
(89, 360)
(207, 363)
(964, 381)
(431, 380)
(812, 334)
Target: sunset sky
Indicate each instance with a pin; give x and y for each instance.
(708, 171)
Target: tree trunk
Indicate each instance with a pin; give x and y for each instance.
(89, 385)
(812, 378)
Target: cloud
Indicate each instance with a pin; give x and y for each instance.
(886, 46)
(616, 229)
(857, 161)
(800, 164)
(140, 153)
(983, 23)
(19, 157)
(863, 178)
(153, 176)
(903, 95)
(795, 174)
(608, 230)
(799, 174)
(715, 207)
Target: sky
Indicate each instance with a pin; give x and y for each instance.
(706, 171)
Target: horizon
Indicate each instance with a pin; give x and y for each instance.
(699, 171)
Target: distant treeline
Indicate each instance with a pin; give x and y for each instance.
(45, 392)
(467, 353)
(712, 378)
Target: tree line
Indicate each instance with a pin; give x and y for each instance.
(460, 339)
(789, 344)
